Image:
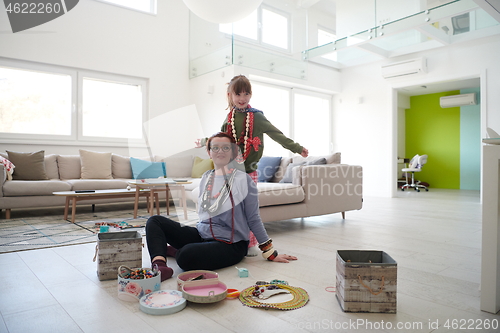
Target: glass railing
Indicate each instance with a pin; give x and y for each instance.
(456, 21)
(213, 47)
(443, 25)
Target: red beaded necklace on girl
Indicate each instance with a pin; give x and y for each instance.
(246, 138)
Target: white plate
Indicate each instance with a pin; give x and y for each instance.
(162, 302)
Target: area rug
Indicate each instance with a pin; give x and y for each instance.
(30, 233)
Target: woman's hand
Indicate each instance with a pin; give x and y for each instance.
(304, 153)
(284, 258)
(198, 143)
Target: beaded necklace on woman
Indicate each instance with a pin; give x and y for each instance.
(220, 199)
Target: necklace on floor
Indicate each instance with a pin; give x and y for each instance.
(220, 199)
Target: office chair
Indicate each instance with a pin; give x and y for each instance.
(416, 164)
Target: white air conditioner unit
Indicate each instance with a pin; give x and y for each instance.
(458, 100)
(404, 68)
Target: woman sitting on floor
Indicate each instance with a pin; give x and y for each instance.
(228, 208)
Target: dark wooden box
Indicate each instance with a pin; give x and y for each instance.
(366, 281)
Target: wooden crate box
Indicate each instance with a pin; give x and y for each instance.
(115, 249)
(366, 281)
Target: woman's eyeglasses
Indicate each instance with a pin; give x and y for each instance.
(216, 149)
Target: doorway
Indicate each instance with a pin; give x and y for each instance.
(451, 137)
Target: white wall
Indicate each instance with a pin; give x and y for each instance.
(366, 133)
(102, 37)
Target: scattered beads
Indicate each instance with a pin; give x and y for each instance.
(262, 286)
(139, 274)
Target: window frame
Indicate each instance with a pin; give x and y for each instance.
(292, 90)
(259, 41)
(75, 138)
(321, 95)
(153, 6)
(288, 17)
(114, 78)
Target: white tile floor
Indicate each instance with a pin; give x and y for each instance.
(434, 236)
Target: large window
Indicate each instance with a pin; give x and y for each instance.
(265, 26)
(147, 6)
(35, 102)
(312, 115)
(40, 102)
(301, 115)
(105, 103)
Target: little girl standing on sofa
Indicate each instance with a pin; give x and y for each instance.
(247, 126)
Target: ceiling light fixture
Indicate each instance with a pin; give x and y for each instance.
(222, 11)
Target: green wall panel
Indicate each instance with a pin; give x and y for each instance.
(435, 131)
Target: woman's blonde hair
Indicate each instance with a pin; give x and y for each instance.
(237, 85)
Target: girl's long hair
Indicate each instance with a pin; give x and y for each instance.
(237, 85)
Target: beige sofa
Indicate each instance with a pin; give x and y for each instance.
(314, 190)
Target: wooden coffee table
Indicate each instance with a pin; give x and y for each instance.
(156, 185)
(75, 196)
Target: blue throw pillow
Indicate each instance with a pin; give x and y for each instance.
(142, 169)
(267, 167)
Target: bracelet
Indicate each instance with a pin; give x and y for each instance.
(273, 256)
(266, 245)
(268, 253)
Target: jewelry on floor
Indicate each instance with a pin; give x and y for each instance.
(254, 295)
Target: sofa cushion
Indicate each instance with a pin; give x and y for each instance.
(272, 194)
(97, 184)
(318, 161)
(195, 183)
(142, 169)
(288, 178)
(20, 188)
(51, 168)
(330, 159)
(280, 173)
(267, 167)
(200, 166)
(121, 167)
(95, 165)
(28, 166)
(179, 166)
(70, 166)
